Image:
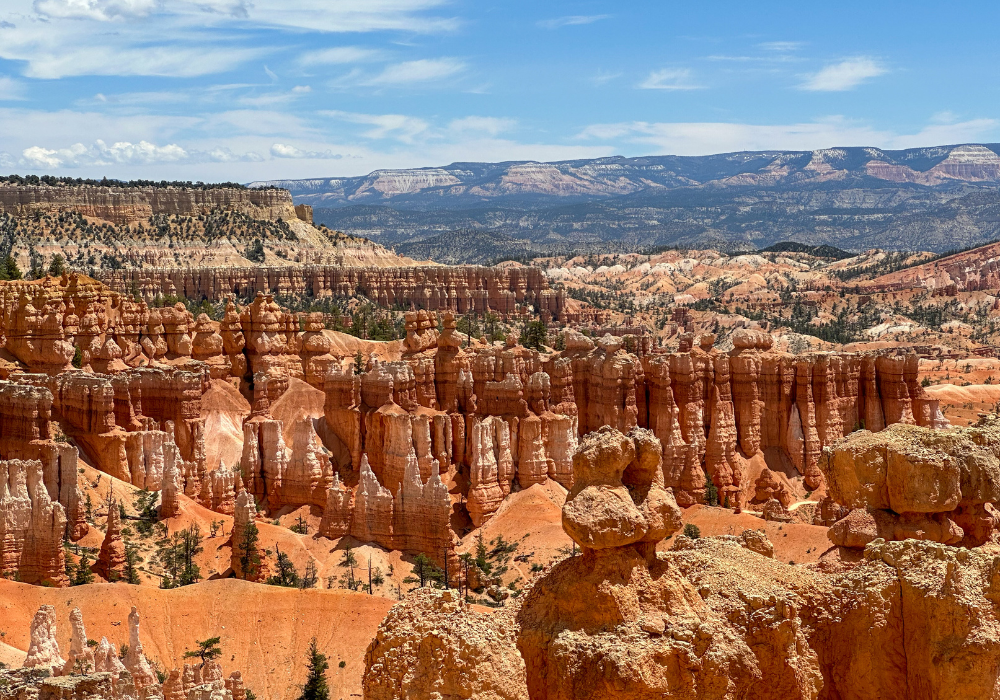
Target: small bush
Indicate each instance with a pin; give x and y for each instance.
(692, 531)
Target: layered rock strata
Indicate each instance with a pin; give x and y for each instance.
(910, 482)
(462, 289)
(124, 205)
(32, 526)
(711, 618)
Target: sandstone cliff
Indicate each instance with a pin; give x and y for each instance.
(711, 618)
(912, 482)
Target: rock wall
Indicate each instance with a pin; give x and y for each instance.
(29, 434)
(122, 205)
(32, 526)
(714, 617)
(462, 289)
(911, 482)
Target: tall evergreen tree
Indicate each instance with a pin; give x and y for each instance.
(315, 687)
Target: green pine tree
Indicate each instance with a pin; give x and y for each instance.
(57, 266)
(315, 687)
(83, 573)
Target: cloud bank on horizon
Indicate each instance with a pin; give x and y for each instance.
(241, 90)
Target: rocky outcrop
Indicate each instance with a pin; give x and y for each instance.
(415, 519)
(429, 646)
(28, 434)
(127, 205)
(98, 673)
(612, 622)
(111, 560)
(32, 526)
(44, 649)
(915, 482)
(80, 659)
(462, 289)
(135, 660)
(881, 626)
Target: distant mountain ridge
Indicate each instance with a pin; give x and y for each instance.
(462, 185)
(935, 198)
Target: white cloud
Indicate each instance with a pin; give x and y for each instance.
(781, 46)
(101, 10)
(420, 71)
(168, 61)
(185, 38)
(274, 98)
(669, 79)
(398, 126)
(484, 125)
(845, 75)
(702, 138)
(603, 77)
(570, 20)
(10, 89)
(282, 150)
(123, 153)
(956, 132)
(339, 55)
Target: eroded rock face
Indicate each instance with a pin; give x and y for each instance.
(911, 599)
(31, 526)
(607, 624)
(98, 673)
(44, 649)
(713, 617)
(430, 646)
(111, 560)
(616, 622)
(618, 497)
(916, 482)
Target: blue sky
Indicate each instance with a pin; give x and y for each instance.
(258, 89)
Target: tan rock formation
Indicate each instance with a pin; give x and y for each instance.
(135, 660)
(429, 647)
(880, 627)
(133, 204)
(80, 659)
(44, 649)
(106, 660)
(111, 560)
(31, 525)
(245, 513)
(476, 289)
(917, 482)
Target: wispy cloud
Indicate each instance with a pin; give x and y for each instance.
(482, 125)
(701, 138)
(421, 71)
(339, 55)
(669, 79)
(845, 75)
(603, 77)
(189, 38)
(11, 89)
(284, 150)
(570, 20)
(268, 99)
(781, 46)
(398, 126)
